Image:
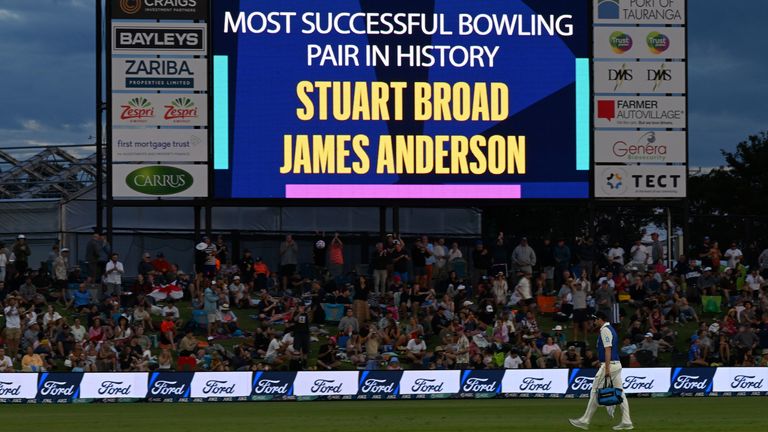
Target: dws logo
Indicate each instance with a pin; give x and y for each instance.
(619, 76)
(159, 180)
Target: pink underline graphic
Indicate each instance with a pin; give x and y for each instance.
(406, 191)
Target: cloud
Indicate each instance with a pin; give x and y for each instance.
(6, 15)
(32, 125)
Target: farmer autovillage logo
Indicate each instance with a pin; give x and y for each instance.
(137, 110)
(180, 110)
(130, 7)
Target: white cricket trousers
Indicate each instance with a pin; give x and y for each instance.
(600, 383)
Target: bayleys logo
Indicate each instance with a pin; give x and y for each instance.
(657, 42)
(130, 7)
(620, 42)
(180, 109)
(137, 109)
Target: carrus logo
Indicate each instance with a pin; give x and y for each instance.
(159, 180)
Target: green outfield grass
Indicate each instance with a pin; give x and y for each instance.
(541, 415)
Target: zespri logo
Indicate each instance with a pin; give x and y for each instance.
(159, 180)
(137, 109)
(620, 42)
(657, 42)
(181, 109)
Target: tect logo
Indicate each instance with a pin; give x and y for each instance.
(324, 386)
(181, 109)
(657, 42)
(217, 387)
(130, 7)
(534, 384)
(114, 388)
(163, 180)
(620, 42)
(168, 388)
(608, 9)
(137, 110)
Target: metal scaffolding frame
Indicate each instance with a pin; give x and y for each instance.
(53, 173)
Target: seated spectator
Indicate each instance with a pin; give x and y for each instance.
(590, 360)
(229, 321)
(6, 364)
(695, 358)
(168, 332)
(570, 358)
(349, 323)
(513, 360)
(326, 357)
(648, 352)
(551, 352)
(416, 349)
(32, 362)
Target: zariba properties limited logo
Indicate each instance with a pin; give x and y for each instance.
(137, 110)
(159, 180)
(181, 110)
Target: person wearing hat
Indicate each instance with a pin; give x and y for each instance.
(416, 349)
(650, 345)
(695, 357)
(160, 264)
(211, 302)
(238, 292)
(610, 366)
(570, 358)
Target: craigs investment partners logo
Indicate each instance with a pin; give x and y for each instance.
(130, 7)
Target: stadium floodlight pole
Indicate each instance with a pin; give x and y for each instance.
(99, 118)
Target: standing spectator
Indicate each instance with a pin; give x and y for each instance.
(22, 251)
(419, 261)
(319, 252)
(211, 306)
(604, 298)
(336, 257)
(455, 253)
(500, 289)
(114, 271)
(657, 249)
(289, 258)
(481, 262)
(245, 267)
(360, 299)
(523, 291)
(13, 325)
(733, 255)
(260, 274)
(380, 262)
(145, 265)
(762, 261)
(639, 256)
(547, 262)
(400, 260)
(715, 256)
(441, 258)
(523, 257)
(500, 252)
(562, 255)
(615, 257)
(222, 251)
(4, 258)
(60, 273)
(429, 262)
(586, 254)
(579, 309)
(209, 253)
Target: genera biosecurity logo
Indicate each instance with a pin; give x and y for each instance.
(162, 180)
(181, 110)
(646, 148)
(137, 110)
(657, 42)
(620, 42)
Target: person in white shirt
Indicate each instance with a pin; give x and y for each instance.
(616, 256)
(513, 360)
(50, 317)
(274, 354)
(13, 325)
(113, 276)
(237, 292)
(3, 265)
(455, 253)
(733, 255)
(639, 255)
(523, 291)
(416, 348)
(440, 253)
(6, 364)
(78, 331)
(755, 281)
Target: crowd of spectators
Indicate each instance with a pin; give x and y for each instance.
(422, 303)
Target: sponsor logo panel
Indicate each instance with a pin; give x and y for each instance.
(741, 380)
(430, 382)
(326, 384)
(159, 39)
(480, 381)
(646, 380)
(640, 182)
(160, 9)
(113, 385)
(159, 74)
(18, 386)
(161, 145)
(379, 384)
(639, 42)
(272, 385)
(174, 181)
(668, 112)
(639, 77)
(639, 12)
(535, 381)
(221, 385)
(58, 387)
(169, 385)
(692, 381)
(159, 110)
(640, 146)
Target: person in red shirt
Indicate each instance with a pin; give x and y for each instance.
(160, 264)
(168, 331)
(260, 274)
